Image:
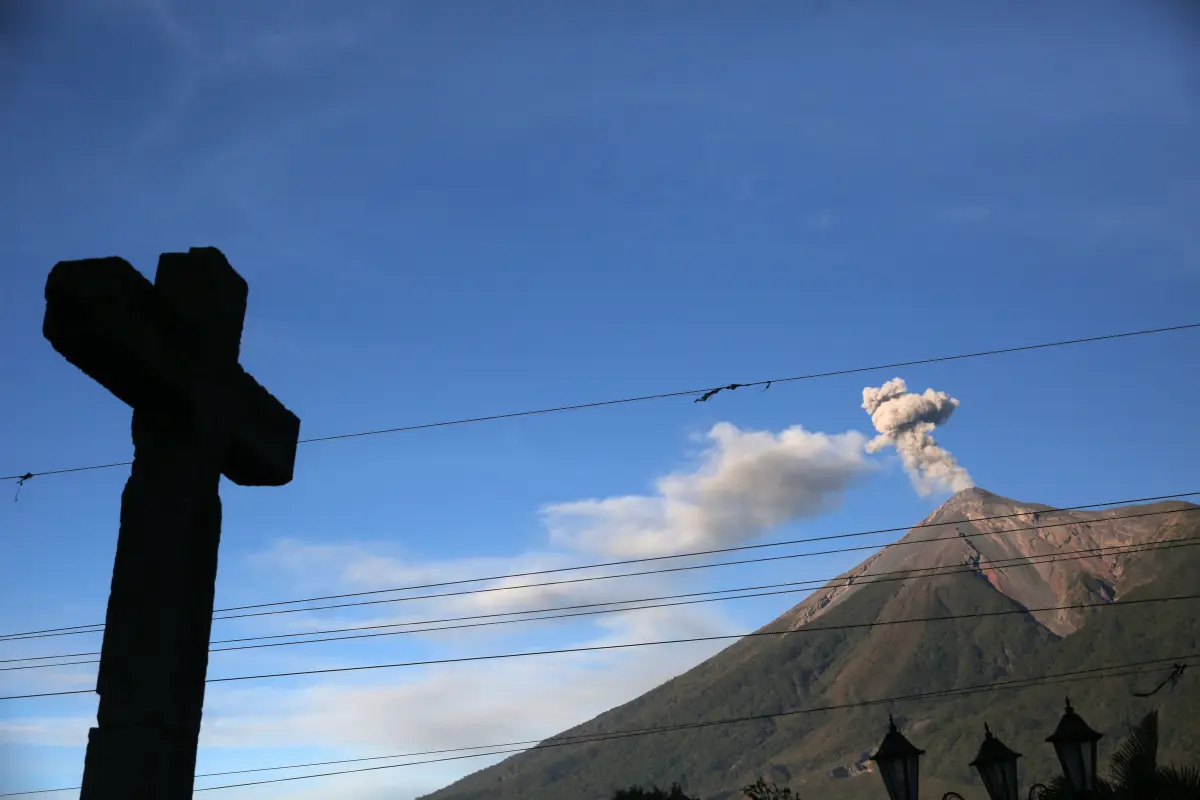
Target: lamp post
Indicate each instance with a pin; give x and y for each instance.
(899, 764)
(1075, 744)
(997, 768)
(1036, 792)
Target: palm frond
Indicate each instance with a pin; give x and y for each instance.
(1134, 766)
(1179, 783)
(1059, 789)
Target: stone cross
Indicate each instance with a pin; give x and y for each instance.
(170, 350)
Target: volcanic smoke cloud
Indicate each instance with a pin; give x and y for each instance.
(906, 421)
(746, 483)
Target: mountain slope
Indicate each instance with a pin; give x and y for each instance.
(823, 754)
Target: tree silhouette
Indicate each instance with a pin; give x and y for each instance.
(755, 791)
(653, 793)
(762, 791)
(1135, 774)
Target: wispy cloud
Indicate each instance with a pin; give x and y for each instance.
(354, 715)
(207, 59)
(745, 482)
(464, 705)
(822, 220)
(459, 705)
(64, 731)
(964, 213)
(513, 597)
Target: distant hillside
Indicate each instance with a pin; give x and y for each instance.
(823, 755)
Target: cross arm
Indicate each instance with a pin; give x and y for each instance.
(108, 320)
(262, 451)
(102, 316)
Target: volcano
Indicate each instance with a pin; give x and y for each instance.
(979, 553)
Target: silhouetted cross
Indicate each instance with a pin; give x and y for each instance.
(170, 350)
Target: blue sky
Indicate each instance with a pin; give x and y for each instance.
(452, 209)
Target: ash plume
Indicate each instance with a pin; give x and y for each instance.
(906, 421)
(746, 483)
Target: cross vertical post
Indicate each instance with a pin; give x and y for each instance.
(170, 350)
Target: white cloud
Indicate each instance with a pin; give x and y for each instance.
(749, 481)
(508, 598)
(356, 567)
(411, 710)
(65, 731)
(459, 705)
(452, 706)
(744, 483)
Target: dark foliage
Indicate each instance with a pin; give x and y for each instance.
(654, 793)
(1135, 774)
(761, 790)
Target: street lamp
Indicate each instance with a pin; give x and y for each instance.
(1075, 744)
(1036, 792)
(997, 767)
(899, 764)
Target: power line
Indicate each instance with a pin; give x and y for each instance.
(1076, 677)
(594, 648)
(98, 627)
(805, 585)
(690, 567)
(629, 645)
(701, 393)
(1071, 676)
(691, 554)
(676, 600)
